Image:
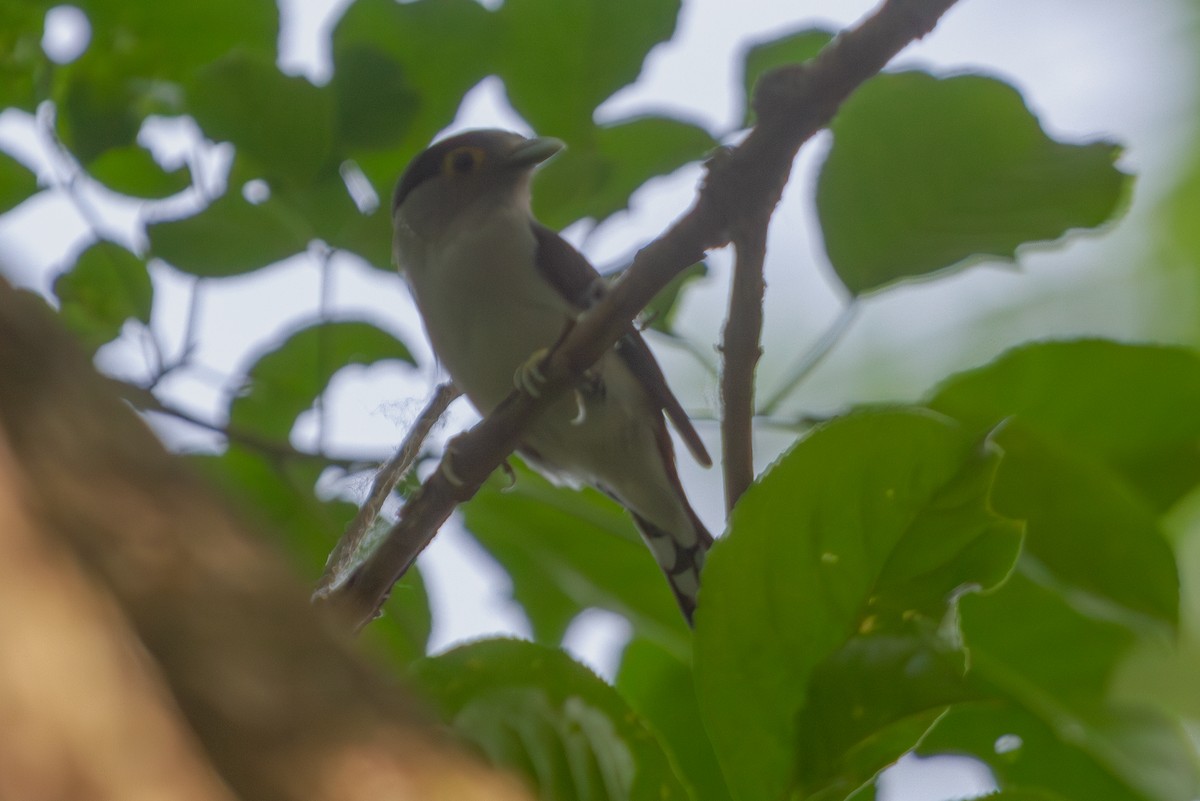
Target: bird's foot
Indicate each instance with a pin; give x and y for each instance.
(447, 467)
(529, 377)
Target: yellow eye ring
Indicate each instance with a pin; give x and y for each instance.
(462, 160)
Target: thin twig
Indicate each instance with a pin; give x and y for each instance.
(812, 357)
(741, 350)
(792, 104)
(144, 400)
(64, 161)
(348, 552)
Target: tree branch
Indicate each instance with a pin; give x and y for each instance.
(741, 351)
(144, 400)
(347, 552)
(791, 104)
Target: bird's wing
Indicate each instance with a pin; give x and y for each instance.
(566, 269)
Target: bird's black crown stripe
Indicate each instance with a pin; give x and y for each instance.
(429, 164)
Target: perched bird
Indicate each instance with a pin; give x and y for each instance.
(496, 289)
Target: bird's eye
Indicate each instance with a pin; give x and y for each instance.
(462, 160)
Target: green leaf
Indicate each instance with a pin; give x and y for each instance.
(596, 175)
(533, 710)
(282, 123)
(1030, 641)
(138, 55)
(375, 104)
(870, 703)
(24, 67)
(131, 170)
(830, 545)
(107, 286)
(792, 48)
(1085, 526)
(662, 689)
(230, 237)
(330, 213)
(97, 112)
(569, 550)
(287, 379)
(1049, 665)
(925, 172)
(1086, 762)
(424, 70)
(170, 40)
(561, 58)
(1132, 406)
(17, 183)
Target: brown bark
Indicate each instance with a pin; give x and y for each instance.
(151, 646)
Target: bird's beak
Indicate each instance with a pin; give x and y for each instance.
(534, 151)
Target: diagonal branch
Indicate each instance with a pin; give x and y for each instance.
(791, 104)
(346, 553)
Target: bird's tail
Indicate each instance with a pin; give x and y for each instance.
(679, 560)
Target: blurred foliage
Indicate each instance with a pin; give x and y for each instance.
(962, 576)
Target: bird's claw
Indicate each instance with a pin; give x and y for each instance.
(511, 474)
(447, 467)
(581, 414)
(529, 377)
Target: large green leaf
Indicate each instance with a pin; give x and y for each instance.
(925, 172)
(532, 709)
(873, 525)
(1124, 755)
(569, 550)
(287, 379)
(230, 237)
(1049, 664)
(562, 58)
(869, 704)
(596, 177)
(1028, 640)
(661, 687)
(1133, 406)
(283, 123)
(1085, 526)
(792, 48)
(106, 286)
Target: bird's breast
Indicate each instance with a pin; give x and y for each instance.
(485, 307)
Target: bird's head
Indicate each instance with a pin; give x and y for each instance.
(456, 174)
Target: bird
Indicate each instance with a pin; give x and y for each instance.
(495, 290)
